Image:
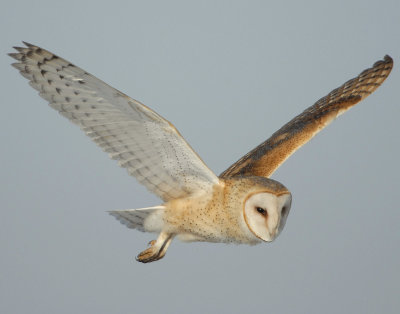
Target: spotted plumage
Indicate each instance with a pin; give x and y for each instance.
(242, 205)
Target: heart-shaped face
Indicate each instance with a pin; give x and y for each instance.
(266, 213)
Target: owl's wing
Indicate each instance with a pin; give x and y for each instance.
(147, 145)
(269, 155)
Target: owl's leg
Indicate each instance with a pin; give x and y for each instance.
(157, 249)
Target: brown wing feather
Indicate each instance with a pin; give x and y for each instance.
(269, 155)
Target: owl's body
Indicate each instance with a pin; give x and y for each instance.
(242, 205)
(217, 216)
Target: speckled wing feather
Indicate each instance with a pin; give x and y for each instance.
(143, 142)
(268, 156)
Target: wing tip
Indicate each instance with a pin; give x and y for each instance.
(29, 45)
(15, 55)
(22, 51)
(387, 60)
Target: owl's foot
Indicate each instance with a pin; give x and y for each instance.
(151, 254)
(157, 249)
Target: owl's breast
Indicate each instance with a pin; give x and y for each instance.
(208, 217)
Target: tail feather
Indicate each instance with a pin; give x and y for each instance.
(144, 219)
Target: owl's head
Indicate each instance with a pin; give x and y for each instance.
(265, 213)
(265, 205)
(262, 203)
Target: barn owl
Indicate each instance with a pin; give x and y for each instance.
(241, 205)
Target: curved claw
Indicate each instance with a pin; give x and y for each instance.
(157, 249)
(149, 255)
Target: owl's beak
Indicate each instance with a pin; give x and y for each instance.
(274, 233)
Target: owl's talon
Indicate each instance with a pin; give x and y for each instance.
(157, 249)
(150, 255)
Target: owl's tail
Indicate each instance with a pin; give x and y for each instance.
(149, 219)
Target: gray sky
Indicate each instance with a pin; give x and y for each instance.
(227, 74)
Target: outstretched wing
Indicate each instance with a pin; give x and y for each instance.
(147, 145)
(269, 155)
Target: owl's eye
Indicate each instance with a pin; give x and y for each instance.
(283, 212)
(262, 211)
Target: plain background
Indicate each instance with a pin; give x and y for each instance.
(227, 74)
